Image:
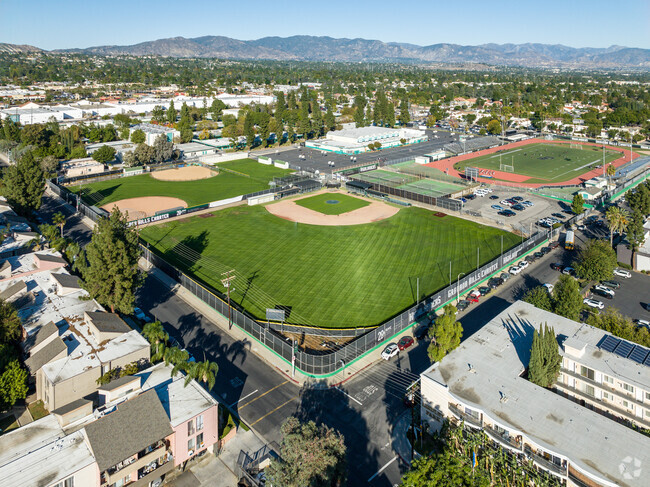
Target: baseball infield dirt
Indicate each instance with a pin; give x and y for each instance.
(289, 210)
(145, 206)
(188, 173)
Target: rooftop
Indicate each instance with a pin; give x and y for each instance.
(486, 367)
(108, 322)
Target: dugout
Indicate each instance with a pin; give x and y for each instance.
(359, 187)
(287, 192)
(307, 185)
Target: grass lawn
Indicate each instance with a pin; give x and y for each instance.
(225, 185)
(328, 276)
(320, 203)
(544, 162)
(8, 423)
(37, 410)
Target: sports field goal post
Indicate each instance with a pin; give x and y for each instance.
(506, 168)
(471, 173)
(576, 146)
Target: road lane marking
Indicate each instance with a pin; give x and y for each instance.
(247, 395)
(383, 468)
(341, 390)
(274, 410)
(253, 400)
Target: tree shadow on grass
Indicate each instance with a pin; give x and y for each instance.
(189, 250)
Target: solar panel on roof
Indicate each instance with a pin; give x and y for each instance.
(647, 360)
(609, 343)
(624, 349)
(639, 354)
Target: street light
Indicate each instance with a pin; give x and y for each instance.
(457, 287)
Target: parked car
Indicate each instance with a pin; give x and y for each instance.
(605, 289)
(463, 304)
(497, 207)
(554, 245)
(471, 299)
(517, 198)
(390, 351)
(645, 323)
(539, 254)
(518, 207)
(507, 213)
(611, 284)
(523, 264)
(405, 342)
(569, 271)
(470, 196)
(421, 332)
(515, 270)
(593, 303)
(484, 290)
(475, 293)
(527, 203)
(494, 197)
(141, 315)
(549, 287)
(505, 276)
(546, 250)
(495, 282)
(622, 273)
(603, 293)
(558, 215)
(557, 267)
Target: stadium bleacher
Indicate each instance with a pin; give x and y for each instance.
(471, 145)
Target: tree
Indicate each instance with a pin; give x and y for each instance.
(217, 108)
(635, 232)
(545, 360)
(171, 113)
(639, 199)
(205, 372)
(158, 114)
(112, 275)
(310, 455)
(596, 261)
(494, 127)
(445, 469)
(23, 184)
(539, 297)
(138, 137)
(157, 336)
(10, 326)
(567, 301)
(617, 219)
(13, 385)
(612, 321)
(59, 220)
(163, 149)
(104, 154)
(404, 115)
(50, 165)
(78, 152)
(178, 358)
(610, 170)
(445, 333)
(578, 203)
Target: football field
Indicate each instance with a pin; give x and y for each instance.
(544, 162)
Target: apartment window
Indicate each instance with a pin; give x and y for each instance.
(190, 427)
(69, 482)
(190, 445)
(647, 413)
(608, 380)
(199, 441)
(607, 396)
(626, 404)
(199, 423)
(628, 388)
(589, 390)
(586, 372)
(647, 396)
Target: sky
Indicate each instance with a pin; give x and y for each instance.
(63, 24)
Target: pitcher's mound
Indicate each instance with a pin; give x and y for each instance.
(188, 173)
(145, 206)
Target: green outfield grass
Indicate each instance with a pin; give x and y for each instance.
(544, 162)
(255, 177)
(330, 276)
(320, 203)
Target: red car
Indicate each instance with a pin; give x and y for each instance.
(471, 299)
(405, 342)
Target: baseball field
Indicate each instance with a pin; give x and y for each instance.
(544, 162)
(329, 276)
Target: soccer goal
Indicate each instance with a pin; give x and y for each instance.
(506, 168)
(576, 146)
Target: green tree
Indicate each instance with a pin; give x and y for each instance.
(112, 275)
(78, 152)
(23, 184)
(567, 301)
(171, 113)
(445, 469)
(104, 154)
(205, 372)
(404, 115)
(50, 165)
(59, 220)
(445, 334)
(596, 261)
(10, 326)
(217, 108)
(178, 358)
(163, 149)
(310, 455)
(539, 297)
(635, 232)
(612, 321)
(157, 336)
(545, 360)
(578, 203)
(158, 114)
(138, 137)
(13, 385)
(494, 127)
(639, 199)
(617, 219)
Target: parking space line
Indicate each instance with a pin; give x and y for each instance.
(262, 395)
(247, 395)
(274, 410)
(382, 468)
(341, 390)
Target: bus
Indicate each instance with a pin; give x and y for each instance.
(569, 240)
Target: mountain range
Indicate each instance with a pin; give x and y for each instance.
(312, 48)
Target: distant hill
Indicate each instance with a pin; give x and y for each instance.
(312, 48)
(18, 48)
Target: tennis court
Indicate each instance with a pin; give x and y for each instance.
(409, 182)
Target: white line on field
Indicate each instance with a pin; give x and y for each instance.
(358, 402)
(383, 468)
(247, 395)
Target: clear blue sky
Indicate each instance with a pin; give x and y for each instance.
(64, 24)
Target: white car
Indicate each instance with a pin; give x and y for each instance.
(593, 303)
(515, 270)
(506, 203)
(523, 264)
(549, 287)
(390, 351)
(605, 289)
(622, 273)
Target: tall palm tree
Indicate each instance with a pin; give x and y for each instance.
(178, 358)
(618, 219)
(59, 220)
(205, 372)
(610, 171)
(157, 336)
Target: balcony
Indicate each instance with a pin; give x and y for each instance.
(145, 478)
(146, 457)
(546, 464)
(622, 394)
(503, 438)
(467, 418)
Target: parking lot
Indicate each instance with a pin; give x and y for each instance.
(523, 220)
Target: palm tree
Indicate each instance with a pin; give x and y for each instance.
(205, 372)
(157, 336)
(178, 358)
(618, 219)
(610, 171)
(59, 220)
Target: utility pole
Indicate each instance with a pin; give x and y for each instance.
(226, 284)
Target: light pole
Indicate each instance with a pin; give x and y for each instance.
(226, 284)
(457, 287)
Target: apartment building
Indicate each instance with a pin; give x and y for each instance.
(576, 431)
